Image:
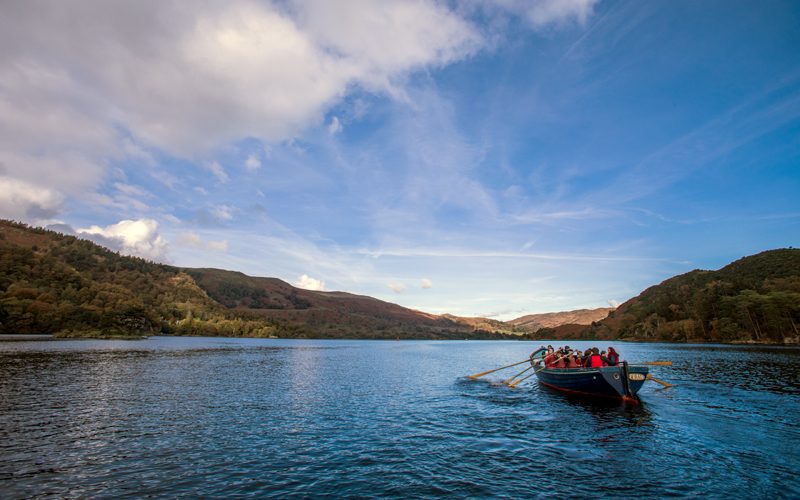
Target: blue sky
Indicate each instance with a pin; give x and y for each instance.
(492, 158)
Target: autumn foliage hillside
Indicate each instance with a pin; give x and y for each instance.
(56, 283)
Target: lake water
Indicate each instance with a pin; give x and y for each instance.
(170, 417)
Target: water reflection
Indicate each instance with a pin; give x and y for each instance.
(604, 410)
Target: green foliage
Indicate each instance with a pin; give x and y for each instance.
(53, 283)
(756, 298)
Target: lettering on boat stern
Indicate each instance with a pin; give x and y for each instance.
(636, 376)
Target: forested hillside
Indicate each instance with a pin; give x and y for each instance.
(55, 283)
(756, 299)
(52, 283)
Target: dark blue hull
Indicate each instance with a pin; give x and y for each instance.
(610, 381)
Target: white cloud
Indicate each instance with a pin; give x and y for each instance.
(130, 189)
(22, 200)
(470, 254)
(378, 43)
(192, 239)
(45, 141)
(613, 303)
(135, 151)
(542, 13)
(219, 172)
(335, 126)
(222, 213)
(190, 78)
(219, 246)
(536, 216)
(307, 282)
(85, 84)
(164, 178)
(396, 287)
(133, 237)
(426, 283)
(252, 163)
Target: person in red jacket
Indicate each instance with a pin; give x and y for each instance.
(550, 358)
(596, 360)
(572, 361)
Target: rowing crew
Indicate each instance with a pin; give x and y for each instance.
(564, 357)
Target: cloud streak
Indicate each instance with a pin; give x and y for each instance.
(480, 254)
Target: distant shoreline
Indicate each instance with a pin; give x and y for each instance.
(794, 342)
(24, 336)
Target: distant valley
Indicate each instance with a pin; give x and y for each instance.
(534, 322)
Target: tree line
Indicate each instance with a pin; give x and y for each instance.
(754, 299)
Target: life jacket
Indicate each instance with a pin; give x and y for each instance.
(571, 363)
(597, 361)
(548, 360)
(560, 363)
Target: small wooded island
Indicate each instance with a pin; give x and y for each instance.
(70, 287)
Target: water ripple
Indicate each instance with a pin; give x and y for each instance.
(244, 417)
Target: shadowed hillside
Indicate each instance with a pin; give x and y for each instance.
(331, 314)
(755, 299)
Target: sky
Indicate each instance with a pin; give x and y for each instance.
(481, 158)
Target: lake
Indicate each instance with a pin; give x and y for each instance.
(169, 417)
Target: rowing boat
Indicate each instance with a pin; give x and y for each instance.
(622, 381)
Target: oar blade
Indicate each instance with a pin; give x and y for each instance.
(665, 384)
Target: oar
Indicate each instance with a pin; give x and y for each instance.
(650, 377)
(653, 363)
(506, 381)
(532, 374)
(478, 375)
(526, 377)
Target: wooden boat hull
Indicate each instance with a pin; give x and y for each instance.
(621, 381)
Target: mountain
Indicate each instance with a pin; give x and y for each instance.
(754, 299)
(534, 322)
(55, 283)
(331, 314)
